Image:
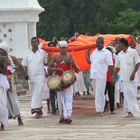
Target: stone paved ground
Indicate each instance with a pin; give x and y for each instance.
(86, 125)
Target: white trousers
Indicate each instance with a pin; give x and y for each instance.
(65, 98)
(3, 108)
(130, 96)
(99, 90)
(36, 90)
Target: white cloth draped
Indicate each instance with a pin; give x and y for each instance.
(130, 96)
(79, 85)
(4, 85)
(46, 91)
(65, 98)
(99, 90)
(12, 100)
(36, 89)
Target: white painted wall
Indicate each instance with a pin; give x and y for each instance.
(18, 20)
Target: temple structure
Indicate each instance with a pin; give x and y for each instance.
(18, 20)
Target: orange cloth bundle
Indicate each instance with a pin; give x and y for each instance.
(78, 47)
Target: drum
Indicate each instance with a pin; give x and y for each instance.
(54, 82)
(68, 77)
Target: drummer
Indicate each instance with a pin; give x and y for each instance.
(60, 62)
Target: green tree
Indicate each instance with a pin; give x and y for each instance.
(64, 17)
(127, 22)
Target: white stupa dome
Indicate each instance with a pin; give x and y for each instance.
(6, 5)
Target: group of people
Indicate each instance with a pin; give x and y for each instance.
(110, 74)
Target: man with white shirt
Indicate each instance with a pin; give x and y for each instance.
(34, 61)
(101, 61)
(138, 50)
(128, 63)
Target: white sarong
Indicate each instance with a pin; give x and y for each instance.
(65, 98)
(79, 85)
(4, 85)
(36, 90)
(12, 100)
(99, 91)
(130, 96)
(46, 91)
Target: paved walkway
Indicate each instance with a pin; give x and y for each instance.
(86, 125)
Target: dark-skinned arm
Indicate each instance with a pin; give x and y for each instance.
(18, 64)
(115, 72)
(74, 65)
(51, 67)
(88, 56)
(3, 64)
(132, 77)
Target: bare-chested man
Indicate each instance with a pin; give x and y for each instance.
(60, 62)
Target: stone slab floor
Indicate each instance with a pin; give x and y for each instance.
(86, 124)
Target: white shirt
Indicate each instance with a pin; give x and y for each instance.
(126, 62)
(4, 83)
(100, 60)
(35, 64)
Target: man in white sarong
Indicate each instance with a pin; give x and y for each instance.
(12, 98)
(34, 61)
(60, 62)
(128, 63)
(4, 86)
(101, 60)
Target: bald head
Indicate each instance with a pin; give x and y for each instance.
(100, 39)
(100, 43)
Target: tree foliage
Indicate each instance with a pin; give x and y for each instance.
(64, 17)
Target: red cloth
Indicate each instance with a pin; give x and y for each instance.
(109, 73)
(8, 72)
(64, 66)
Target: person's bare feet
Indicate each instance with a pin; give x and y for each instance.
(68, 121)
(88, 93)
(77, 94)
(61, 120)
(130, 115)
(49, 112)
(100, 114)
(112, 113)
(2, 127)
(39, 115)
(20, 122)
(118, 105)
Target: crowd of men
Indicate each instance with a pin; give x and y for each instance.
(114, 75)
